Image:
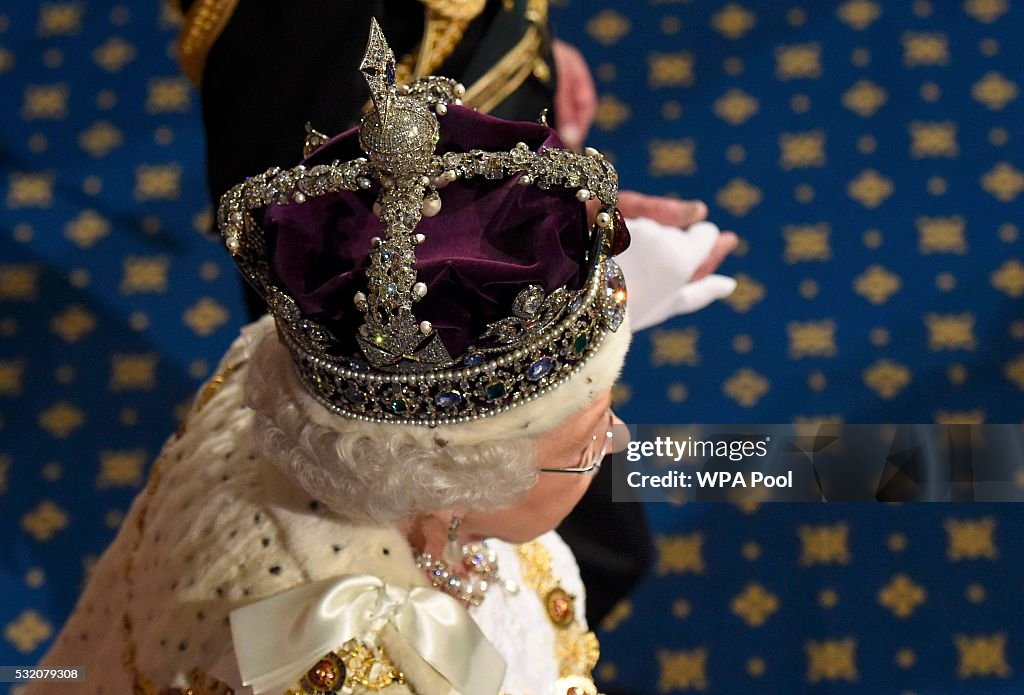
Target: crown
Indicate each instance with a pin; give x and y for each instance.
(398, 368)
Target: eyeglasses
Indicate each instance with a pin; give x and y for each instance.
(588, 461)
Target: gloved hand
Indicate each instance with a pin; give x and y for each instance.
(658, 266)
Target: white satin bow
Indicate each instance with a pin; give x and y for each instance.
(279, 638)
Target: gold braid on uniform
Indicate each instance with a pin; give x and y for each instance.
(201, 27)
(576, 649)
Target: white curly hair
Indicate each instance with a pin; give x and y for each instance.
(382, 474)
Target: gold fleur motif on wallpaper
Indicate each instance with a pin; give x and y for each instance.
(670, 69)
(61, 419)
(960, 417)
(620, 613)
(677, 346)
(746, 387)
(950, 331)
(739, 197)
(994, 91)
(747, 294)
(754, 605)
(807, 242)
(1009, 278)
(887, 378)
(933, 139)
(45, 102)
(941, 234)
(28, 631)
(157, 182)
(925, 48)
(100, 139)
(824, 544)
(680, 554)
(121, 468)
(812, 338)
(735, 107)
(19, 282)
(1004, 181)
(870, 188)
(980, 656)
(798, 61)
(864, 98)
(168, 95)
(877, 285)
(831, 660)
(113, 54)
(87, 228)
(733, 21)
(144, 274)
(7, 60)
(205, 316)
(986, 11)
(30, 190)
(859, 14)
(133, 372)
(607, 27)
(43, 522)
(802, 150)
(60, 18)
(73, 324)
(611, 112)
(971, 539)
(5, 467)
(672, 157)
(683, 670)
(12, 373)
(902, 596)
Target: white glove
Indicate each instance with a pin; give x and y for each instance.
(658, 266)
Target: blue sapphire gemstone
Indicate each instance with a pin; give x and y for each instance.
(447, 399)
(474, 360)
(357, 367)
(399, 405)
(539, 369)
(575, 304)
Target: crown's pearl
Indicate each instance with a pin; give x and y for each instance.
(460, 90)
(418, 238)
(233, 244)
(359, 298)
(603, 220)
(299, 197)
(525, 180)
(583, 195)
(363, 182)
(426, 327)
(451, 175)
(419, 289)
(441, 109)
(590, 152)
(439, 182)
(375, 241)
(431, 206)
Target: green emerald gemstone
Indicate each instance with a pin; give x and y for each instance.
(399, 405)
(579, 345)
(495, 390)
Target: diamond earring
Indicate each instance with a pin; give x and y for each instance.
(453, 550)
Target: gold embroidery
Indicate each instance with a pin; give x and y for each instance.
(576, 649)
(204, 22)
(354, 664)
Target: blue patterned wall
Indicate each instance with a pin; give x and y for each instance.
(869, 154)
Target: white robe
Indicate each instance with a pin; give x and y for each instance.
(220, 528)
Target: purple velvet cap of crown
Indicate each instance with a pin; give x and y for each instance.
(490, 240)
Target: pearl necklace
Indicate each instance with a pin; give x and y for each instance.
(479, 560)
